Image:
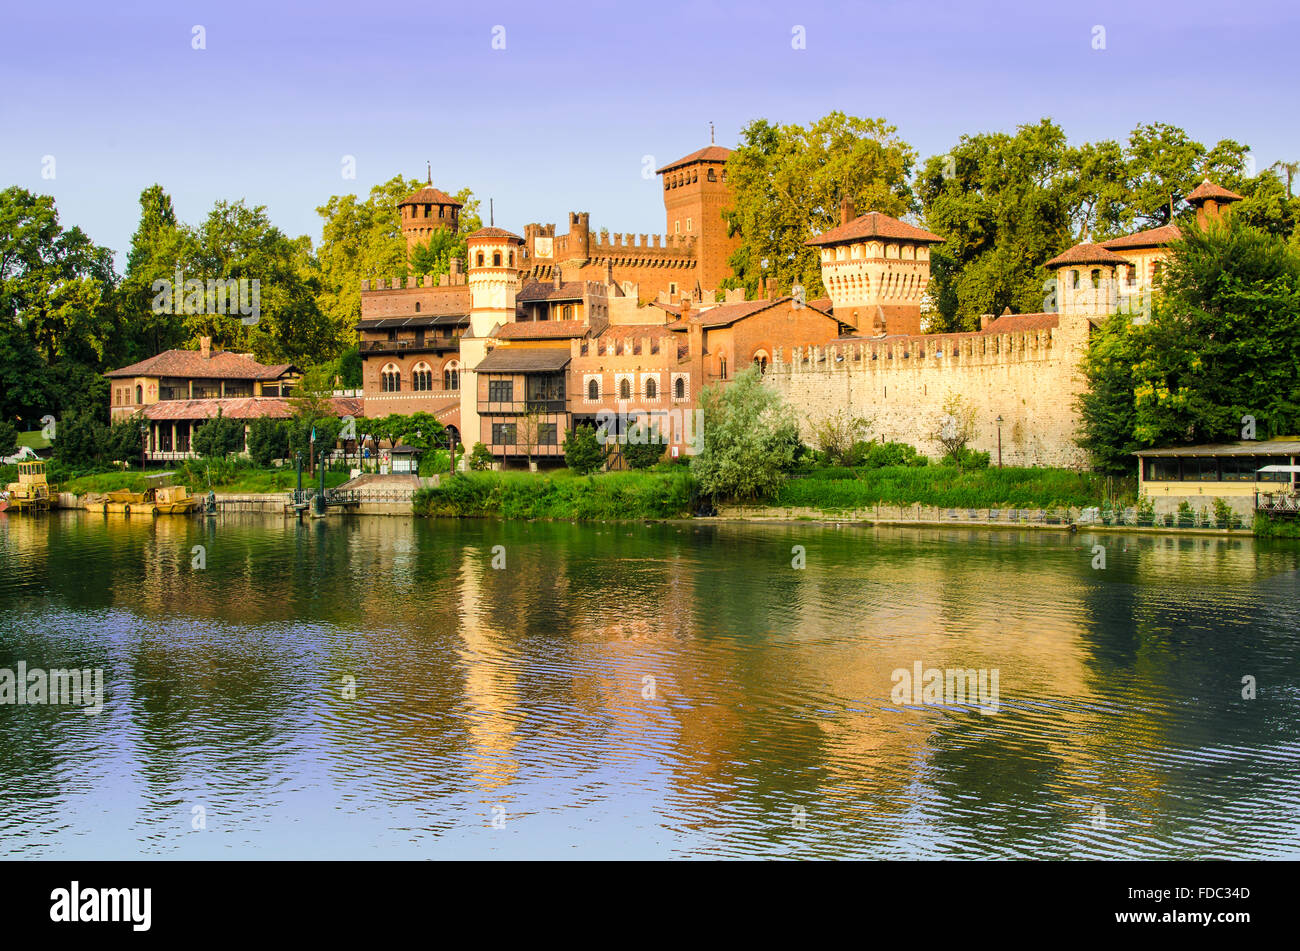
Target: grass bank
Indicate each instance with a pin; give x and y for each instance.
(562, 495)
(230, 481)
(947, 487)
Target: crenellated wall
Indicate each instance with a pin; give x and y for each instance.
(1030, 378)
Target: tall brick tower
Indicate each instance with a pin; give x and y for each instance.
(696, 193)
(425, 211)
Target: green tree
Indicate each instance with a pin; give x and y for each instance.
(1223, 343)
(124, 442)
(643, 447)
(218, 437)
(268, 440)
(749, 439)
(787, 182)
(159, 248)
(480, 457)
(80, 440)
(583, 452)
(8, 438)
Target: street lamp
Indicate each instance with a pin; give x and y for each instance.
(999, 421)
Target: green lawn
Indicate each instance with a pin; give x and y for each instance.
(559, 494)
(243, 481)
(34, 440)
(949, 487)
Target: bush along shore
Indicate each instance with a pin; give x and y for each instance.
(562, 495)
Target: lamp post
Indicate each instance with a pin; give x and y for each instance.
(999, 440)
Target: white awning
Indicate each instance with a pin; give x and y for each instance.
(1279, 469)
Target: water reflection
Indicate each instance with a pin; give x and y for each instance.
(365, 687)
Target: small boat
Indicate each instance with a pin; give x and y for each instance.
(4, 501)
(31, 493)
(174, 500)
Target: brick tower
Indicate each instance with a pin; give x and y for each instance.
(425, 211)
(696, 193)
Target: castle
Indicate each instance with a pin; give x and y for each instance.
(542, 332)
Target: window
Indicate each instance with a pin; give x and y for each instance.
(672, 289)
(503, 434)
(677, 227)
(480, 259)
(391, 379)
(139, 390)
(722, 367)
(712, 176)
(625, 389)
(546, 392)
(651, 389)
(593, 390)
(679, 388)
(501, 391)
(760, 361)
(417, 307)
(1262, 461)
(422, 377)
(567, 313)
(496, 258)
(548, 434)
(451, 376)
(512, 259)
(688, 224)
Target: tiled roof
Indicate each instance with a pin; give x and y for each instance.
(523, 360)
(1252, 447)
(1009, 323)
(1085, 254)
(634, 332)
(1151, 238)
(419, 320)
(723, 314)
(495, 233)
(541, 330)
(710, 153)
(242, 407)
(541, 290)
(1208, 190)
(874, 225)
(430, 196)
(221, 365)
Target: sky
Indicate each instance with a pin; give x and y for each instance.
(556, 107)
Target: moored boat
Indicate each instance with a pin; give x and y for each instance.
(174, 500)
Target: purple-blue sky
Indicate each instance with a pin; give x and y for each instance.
(561, 118)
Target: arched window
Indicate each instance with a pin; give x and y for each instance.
(651, 389)
(625, 389)
(568, 312)
(422, 377)
(451, 376)
(722, 368)
(480, 259)
(760, 360)
(417, 307)
(391, 378)
(139, 394)
(679, 388)
(496, 258)
(593, 390)
(712, 176)
(512, 259)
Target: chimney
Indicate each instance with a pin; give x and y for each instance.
(558, 279)
(609, 272)
(686, 306)
(985, 320)
(846, 210)
(205, 347)
(769, 288)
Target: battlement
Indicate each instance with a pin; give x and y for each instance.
(928, 351)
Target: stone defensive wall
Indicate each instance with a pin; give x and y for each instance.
(1030, 378)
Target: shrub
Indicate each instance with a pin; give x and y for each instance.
(643, 447)
(8, 438)
(480, 457)
(583, 452)
(878, 455)
(268, 440)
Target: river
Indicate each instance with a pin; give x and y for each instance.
(390, 687)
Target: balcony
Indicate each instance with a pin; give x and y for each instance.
(428, 345)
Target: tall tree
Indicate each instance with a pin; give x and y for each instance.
(787, 182)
